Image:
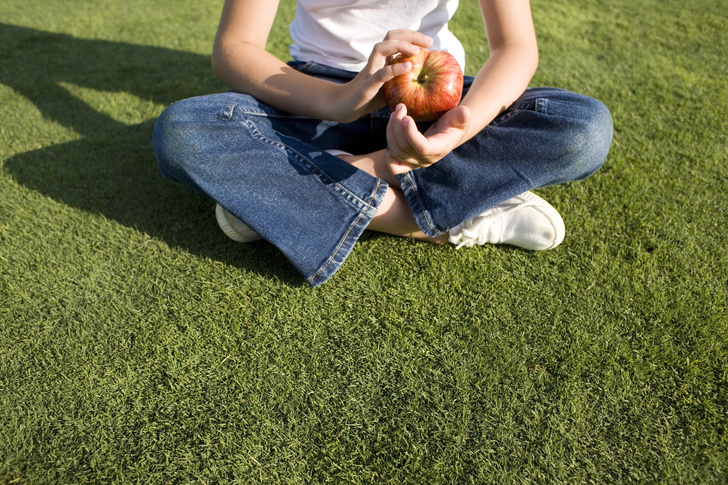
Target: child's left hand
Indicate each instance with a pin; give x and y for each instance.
(410, 149)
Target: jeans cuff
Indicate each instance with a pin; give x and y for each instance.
(350, 238)
(423, 217)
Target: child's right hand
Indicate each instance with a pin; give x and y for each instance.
(362, 94)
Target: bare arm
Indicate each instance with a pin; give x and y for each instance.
(512, 63)
(240, 61)
(502, 79)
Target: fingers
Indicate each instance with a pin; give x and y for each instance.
(395, 153)
(410, 149)
(397, 166)
(389, 71)
(410, 141)
(388, 48)
(405, 141)
(382, 54)
(459, 118)
(450, 129)
(404, 41)
(363, 93)
(416, 38)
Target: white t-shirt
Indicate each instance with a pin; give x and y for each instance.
(342, 33)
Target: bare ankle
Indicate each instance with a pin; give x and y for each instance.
(375, 164)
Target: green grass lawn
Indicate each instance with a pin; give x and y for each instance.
(139, 345)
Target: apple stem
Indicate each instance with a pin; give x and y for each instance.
(423, 78)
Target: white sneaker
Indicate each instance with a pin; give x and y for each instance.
(233, 227)
(526, 221)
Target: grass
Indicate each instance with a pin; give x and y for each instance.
(139, 345)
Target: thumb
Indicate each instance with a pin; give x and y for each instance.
(457, 118)
(450, 128)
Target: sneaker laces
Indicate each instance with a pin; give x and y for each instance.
(471, 232)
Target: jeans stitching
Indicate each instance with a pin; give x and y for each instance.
(227, 112)
(516, 107)
(307, 67)
(346, 236)
(310, 165)
(419, 202)
(249, 111)
(256, 133)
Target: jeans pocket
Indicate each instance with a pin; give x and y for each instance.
(563, 108)
(515, 108)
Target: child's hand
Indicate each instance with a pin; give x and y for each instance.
(410, 149)
(362, 94)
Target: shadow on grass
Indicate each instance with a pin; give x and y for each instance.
(111, 169)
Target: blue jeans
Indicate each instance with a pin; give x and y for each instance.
(270, 170)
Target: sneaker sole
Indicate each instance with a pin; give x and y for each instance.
(230, 231)
(552, 214)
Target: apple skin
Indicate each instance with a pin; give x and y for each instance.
(433, 86)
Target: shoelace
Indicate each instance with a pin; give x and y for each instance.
(473, 232)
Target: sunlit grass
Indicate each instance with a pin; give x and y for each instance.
(139, 345)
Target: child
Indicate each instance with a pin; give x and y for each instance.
(275, 153)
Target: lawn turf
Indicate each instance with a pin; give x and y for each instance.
(139, 345)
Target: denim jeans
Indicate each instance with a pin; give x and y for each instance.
(269, 168)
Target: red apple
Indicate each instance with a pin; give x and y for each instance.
(432, 87)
